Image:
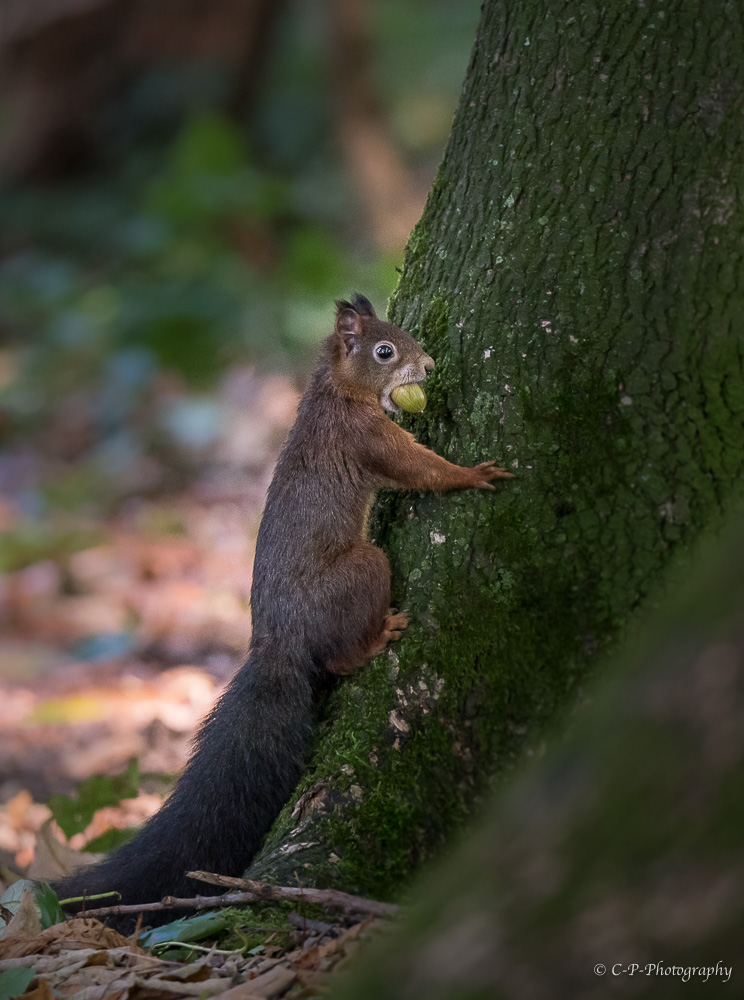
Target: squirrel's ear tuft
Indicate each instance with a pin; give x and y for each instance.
(359, 303)
(363, 306)
(348, 327)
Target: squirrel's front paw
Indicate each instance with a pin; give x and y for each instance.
(485, 472)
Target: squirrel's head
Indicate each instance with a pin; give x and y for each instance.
(371, 356)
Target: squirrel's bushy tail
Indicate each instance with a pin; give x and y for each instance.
(247, 758)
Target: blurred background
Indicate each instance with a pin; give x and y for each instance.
(185, 188)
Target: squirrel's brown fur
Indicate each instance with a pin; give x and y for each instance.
(320, 603)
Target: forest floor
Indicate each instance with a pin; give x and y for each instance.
(83, 958)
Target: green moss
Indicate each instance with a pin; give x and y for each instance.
(269, 917)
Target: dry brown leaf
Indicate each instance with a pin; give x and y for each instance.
(89, 983)
(242, 992)
(272, 983)
(121, 988)
(194, 972)
(314, 981)
(264, 965)
(43, 991)
(165, 989)
(308, 961)
(25, 923)
(321, 957)
(80, 933)
(63, 972)
(67, 960)
(43, 963)
(86, 932)
(53, 859)
(331, 948)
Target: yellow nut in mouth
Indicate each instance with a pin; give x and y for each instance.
(410, 398)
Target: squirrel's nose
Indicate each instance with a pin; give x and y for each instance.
(429, 365)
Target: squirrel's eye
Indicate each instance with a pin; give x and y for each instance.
(384, 352)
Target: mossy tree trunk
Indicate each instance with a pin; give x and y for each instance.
(578, 275)
(621, 852)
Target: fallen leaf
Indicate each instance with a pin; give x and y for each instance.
(155, 989)
(120, 988)
(272, 983)
(194, 972)
(81, 932)
(53, 859)
(87, 983)
(42, 992)
(242, 992)
(25, 923)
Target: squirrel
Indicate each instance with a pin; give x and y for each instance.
(320, 602)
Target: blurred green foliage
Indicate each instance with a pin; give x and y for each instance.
(189, 268)
(30, 541)
(74, 814)
(155, 248)
(196, 238)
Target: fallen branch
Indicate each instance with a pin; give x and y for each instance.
(251, 892)
(325, 897)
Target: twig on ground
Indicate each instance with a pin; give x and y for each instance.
(325, 897)
(252, 891)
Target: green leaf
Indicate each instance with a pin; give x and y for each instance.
(13, 982)
(74, 814)
(185, 929)
(50, 912)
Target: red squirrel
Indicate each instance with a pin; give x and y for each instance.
(320, 603)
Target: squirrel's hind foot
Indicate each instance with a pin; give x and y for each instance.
(392, 629)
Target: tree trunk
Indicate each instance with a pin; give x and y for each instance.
(577, 275)
(615, 867)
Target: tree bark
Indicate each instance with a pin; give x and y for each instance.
(577, 275)
(614, 867)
